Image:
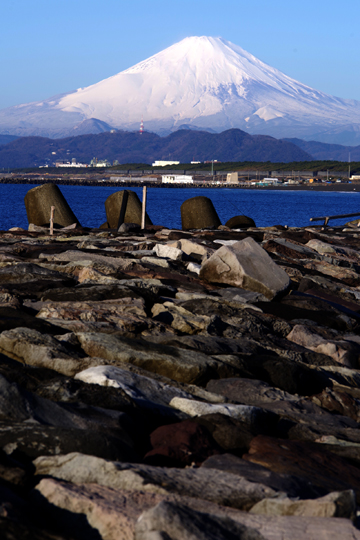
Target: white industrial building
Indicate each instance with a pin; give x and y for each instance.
(68, 164)
(164, 163)
(177, 179)
(232, 178)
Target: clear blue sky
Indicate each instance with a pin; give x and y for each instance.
(52, 46)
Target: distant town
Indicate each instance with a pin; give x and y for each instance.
(243, 178)
(170, 174)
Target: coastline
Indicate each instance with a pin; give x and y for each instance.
(335, 187)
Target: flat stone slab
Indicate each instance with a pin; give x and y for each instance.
(343, 352)
(191, 407)
(179, 364)
(208, 484)
(138, 387)
(336, 504)
(41, 350)
(179, 523)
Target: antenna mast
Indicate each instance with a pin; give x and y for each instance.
(349, 165)
(141, 126)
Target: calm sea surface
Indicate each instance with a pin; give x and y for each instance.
(265, 207)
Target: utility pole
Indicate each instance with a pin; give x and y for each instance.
(349, 164)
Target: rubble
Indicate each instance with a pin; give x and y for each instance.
(171, 384)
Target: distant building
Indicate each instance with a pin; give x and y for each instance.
(164, 163)
(177, 179)
(73, 163)
(267, 182)
(95, 162)
(232, 178)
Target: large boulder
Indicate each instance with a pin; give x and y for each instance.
(199, 213)
(245, 264)
(124, 207)
(38, 203)
(240, 222)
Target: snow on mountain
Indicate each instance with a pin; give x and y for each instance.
(202, 81)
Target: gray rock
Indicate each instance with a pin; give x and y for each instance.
(29, 272)
(19, 405)
(246, 265)
(196, 250)
(164, 263)
(208, 484)
(293, 486)
(31, 439)
(179, 318)
(113, 263)
(129, 228)
(249, 391)
(178, 364)
(235, 294)
(344, 352)
(191, 407)
(168, 252)
(336, 504)
(170, 521)
(138, 387)
(41, 350)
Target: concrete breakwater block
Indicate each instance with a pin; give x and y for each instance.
(240, 222)
(247, 265)
(199, 213)
(38, 203)
(124, 207)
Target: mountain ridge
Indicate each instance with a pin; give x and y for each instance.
(130, 147)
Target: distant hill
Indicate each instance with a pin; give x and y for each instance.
(5, 139)
(127, 147)
(324, 151)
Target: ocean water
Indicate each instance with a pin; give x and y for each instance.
(265, 207)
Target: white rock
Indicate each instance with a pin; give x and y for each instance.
(158, 261)
(246, 413)
(168, 252)
(336, 504)
(193, 267)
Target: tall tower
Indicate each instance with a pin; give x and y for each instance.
(141, 126)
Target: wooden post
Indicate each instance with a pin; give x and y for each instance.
(52, 211)
(143, 212)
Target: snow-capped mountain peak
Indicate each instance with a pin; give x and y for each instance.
(203, 81)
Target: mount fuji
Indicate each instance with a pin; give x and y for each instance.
(201, 82)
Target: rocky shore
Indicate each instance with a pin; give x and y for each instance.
(160, 384)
